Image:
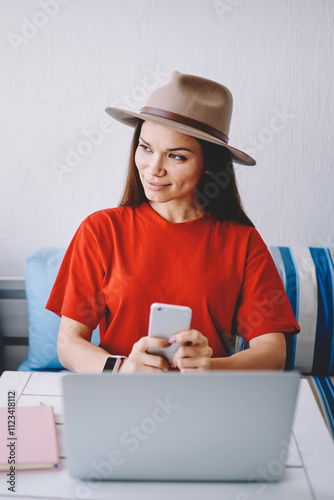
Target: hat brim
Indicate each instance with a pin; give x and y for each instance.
(131, 119)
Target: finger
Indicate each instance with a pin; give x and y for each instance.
(193, 336)
(199, 363)
(146, 342)
(185, 351)
(193, 353)
(153, 360)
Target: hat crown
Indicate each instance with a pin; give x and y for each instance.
(196, 98)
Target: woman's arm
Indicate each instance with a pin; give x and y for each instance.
(75, 351)
(266, 352)
(78, 354)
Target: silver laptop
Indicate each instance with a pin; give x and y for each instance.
(216, 426)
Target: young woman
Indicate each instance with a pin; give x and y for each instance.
(179, 236)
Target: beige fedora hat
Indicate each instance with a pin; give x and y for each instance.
(191, 105)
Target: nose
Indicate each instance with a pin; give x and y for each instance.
(156, 166)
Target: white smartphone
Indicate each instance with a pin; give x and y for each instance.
(165, 321)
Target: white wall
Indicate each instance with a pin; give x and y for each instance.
(276, 56)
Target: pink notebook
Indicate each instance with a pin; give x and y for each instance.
(28, 438)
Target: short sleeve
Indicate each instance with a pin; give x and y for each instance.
(78, 290)
(263, 306)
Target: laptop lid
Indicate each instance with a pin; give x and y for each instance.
(214, 426)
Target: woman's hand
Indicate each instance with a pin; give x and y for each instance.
(195, 355)
(140, 361)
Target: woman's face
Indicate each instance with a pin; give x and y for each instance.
(170, 164)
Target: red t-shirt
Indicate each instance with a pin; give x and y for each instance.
(123, 259)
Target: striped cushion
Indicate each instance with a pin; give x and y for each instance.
(323, 391)
(308, 277)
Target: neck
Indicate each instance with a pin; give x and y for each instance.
(176, 213)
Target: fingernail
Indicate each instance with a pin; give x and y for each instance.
(166, 344)
(173, 365)
(172, 340)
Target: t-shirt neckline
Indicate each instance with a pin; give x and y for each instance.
(148, 212)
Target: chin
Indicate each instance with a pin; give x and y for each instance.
(156, 199)
(156, 195)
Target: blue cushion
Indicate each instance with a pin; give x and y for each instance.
(41, 270)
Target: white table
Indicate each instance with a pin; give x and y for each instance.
(309, 475)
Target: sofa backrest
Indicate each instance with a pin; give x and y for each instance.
(13, 323)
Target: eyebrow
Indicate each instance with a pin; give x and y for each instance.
(171, 149)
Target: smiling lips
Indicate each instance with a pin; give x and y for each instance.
(156, 187)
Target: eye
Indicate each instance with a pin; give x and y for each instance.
(177, 157)
(144, 148)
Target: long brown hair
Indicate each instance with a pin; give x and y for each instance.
(216, 193)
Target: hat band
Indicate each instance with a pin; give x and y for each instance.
(185, 121)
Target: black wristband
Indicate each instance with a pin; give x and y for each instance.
(113, 364)
(110, 364)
